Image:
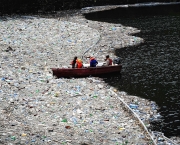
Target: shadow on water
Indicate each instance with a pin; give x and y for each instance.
(151, 69)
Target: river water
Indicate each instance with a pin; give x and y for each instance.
(151, 70)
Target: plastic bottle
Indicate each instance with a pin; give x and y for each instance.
(78, 88)
(74, 120)
(64, 120)
(133, 106)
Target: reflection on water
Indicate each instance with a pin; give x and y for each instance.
(151, 70)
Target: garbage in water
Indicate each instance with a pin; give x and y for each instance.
(45, 109)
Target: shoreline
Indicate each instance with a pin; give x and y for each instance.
(67, 88)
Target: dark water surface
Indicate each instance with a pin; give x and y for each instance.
(151, 70)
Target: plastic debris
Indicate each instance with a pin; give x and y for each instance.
(45, 109)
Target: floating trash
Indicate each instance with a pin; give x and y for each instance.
(46, 109)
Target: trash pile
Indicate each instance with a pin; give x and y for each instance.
(37, 108)
(145, 109)
(65, 111)
(39, 37)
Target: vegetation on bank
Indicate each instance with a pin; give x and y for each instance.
(35, 6)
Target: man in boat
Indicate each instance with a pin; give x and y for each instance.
(93, 62)
(77, 63)
(108, 61)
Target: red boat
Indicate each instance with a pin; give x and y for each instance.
(83, 72)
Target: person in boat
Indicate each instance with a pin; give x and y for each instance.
(77, 63)
(108, 61)
(93, 62)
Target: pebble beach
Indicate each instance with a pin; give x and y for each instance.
(38, 108)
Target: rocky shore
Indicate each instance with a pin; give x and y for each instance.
(37, 108)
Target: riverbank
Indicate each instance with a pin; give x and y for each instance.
(38, 108)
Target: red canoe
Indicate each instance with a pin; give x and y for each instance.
(82, 72)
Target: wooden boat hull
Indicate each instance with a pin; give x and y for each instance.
(83, 72)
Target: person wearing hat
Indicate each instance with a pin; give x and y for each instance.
(93, 62)
(108, 61)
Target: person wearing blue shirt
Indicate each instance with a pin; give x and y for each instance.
(93, 62)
